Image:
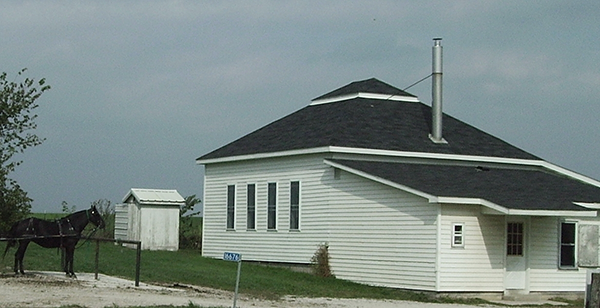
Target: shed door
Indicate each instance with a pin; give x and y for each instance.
(516, 255)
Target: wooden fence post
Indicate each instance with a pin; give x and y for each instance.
(138, 257)
(97, 259)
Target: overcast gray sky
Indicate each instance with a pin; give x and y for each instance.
(142, 88)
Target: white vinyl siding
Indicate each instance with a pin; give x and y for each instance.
(381, 235)
(376, 234)
(261, 244)
(479, 265)
(544, 272)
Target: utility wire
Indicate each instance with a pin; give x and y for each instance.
(414, 84)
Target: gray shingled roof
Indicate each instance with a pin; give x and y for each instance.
(368, 124)
(510, 188)
(365, 86)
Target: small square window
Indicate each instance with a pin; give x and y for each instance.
(458, 237)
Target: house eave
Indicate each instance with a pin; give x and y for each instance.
(553, 213)
(405, 154)
(593, 206)
(545, 213)
(488, 207)
(228, 159)
(375, 152)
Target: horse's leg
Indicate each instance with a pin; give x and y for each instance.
(19, 255)
(69, 254)
(64, 260)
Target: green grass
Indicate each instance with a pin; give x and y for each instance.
(48, 216)
(189, 267)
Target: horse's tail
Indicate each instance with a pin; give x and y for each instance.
(11, 241)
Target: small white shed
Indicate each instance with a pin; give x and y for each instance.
(150, 216)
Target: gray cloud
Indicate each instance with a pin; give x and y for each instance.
(140, 89)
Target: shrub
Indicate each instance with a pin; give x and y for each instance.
(320, 262)
(190, 225)
(190, 234)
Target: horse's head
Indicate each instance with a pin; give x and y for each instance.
(95, 217)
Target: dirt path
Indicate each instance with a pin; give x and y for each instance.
(51, 289)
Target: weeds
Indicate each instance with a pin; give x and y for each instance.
(320, 262)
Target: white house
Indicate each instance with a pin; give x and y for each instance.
(150, 216)
(361, 169)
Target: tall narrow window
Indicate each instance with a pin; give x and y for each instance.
(272, 206)
(294, 205)
(458, 238)
(230, 206)
(514, 239)
(251, 207)
(567, 244)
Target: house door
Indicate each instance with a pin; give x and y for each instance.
(516, 256)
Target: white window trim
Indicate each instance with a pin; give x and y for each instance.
(460, 235)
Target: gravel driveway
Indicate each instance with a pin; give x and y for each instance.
(51, 289)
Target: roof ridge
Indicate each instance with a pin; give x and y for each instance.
(375, 87)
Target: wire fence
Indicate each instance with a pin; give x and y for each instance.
(138, 245)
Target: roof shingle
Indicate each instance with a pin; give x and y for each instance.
(369, 124)
(383, 124)
(510, 188)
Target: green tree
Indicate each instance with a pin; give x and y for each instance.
(66, 209)
(187, 209)
(107, 211)
(17, 120)
(189, 229)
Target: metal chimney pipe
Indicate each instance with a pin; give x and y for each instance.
(436, 92)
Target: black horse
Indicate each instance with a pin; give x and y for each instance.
(62, 233)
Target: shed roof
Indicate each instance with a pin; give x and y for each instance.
(509, 188)
(155, 196)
